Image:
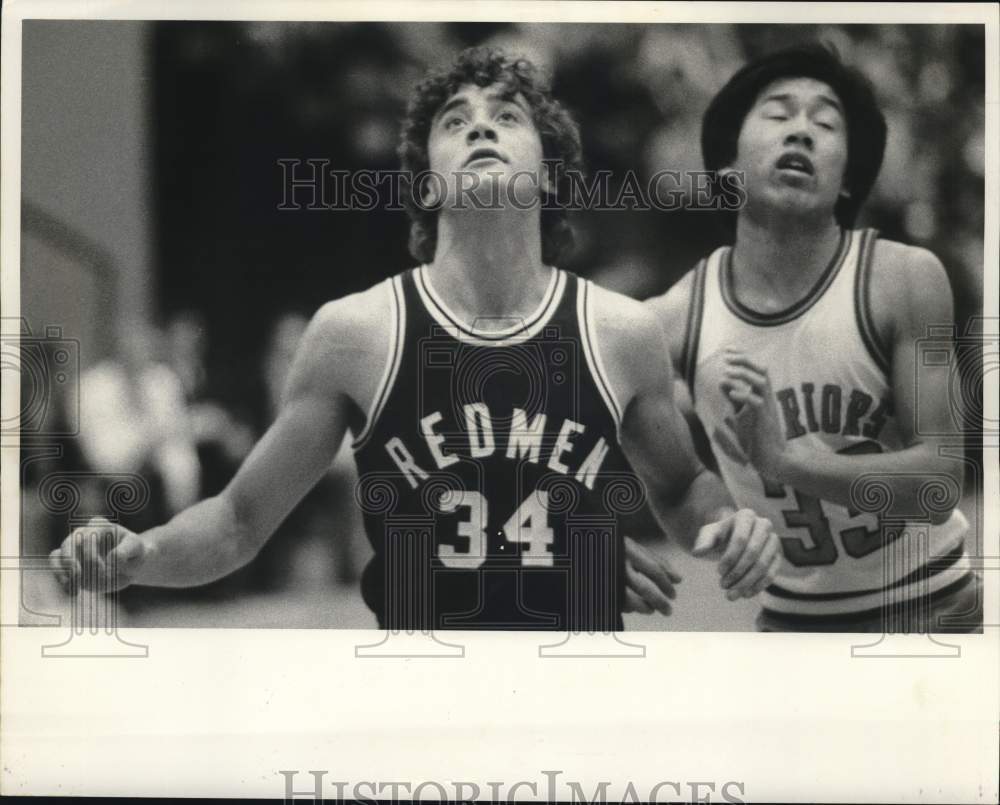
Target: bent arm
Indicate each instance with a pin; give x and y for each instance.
(913, 295)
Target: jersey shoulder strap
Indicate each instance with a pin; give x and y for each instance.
(396, 321)
(692, 328)
(874, 343)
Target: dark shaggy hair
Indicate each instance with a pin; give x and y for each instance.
(560, 138)
(866, 130)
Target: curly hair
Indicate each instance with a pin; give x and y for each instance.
(866, 129)
(560, 136)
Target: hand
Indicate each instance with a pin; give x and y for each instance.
(758, 424)
(100, 556)
(650, 580)
(751, 552)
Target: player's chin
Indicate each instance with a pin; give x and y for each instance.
(805, 200)
(501, 189)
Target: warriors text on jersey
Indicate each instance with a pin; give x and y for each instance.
(830, 377)
(490, 472)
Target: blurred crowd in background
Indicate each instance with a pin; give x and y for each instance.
(236, 278)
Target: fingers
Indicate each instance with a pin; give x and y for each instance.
(739, 394)
(742, 523)
(748, 376)
(710, 535)
(653, 565)
(770, 574)
(736, 358)
(754, 546)
(759, 571)
(646, 590)
(90, 545)
(65, 567)
(635, 603)
(85, 556)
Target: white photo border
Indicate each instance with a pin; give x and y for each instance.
(221, 712)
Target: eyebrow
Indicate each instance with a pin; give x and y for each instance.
(461, 100)
(784, 96)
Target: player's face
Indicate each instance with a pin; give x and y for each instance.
(485, 139)
(793, 147)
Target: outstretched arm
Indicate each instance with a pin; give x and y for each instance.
(220, 534)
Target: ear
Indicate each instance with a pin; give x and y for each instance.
(429, 195)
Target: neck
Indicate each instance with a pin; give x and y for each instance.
(782, 259)
(489, 263)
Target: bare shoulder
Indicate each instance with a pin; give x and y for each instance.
(909, 287)
(672, 309)
(672, 305)
(630, 341)
(344, 348)
(624, 324)
(355, 317)
(894, 261)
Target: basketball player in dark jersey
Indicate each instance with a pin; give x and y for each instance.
(500, 408)
(800, 357)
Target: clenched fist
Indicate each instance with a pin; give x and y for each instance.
(100, 556)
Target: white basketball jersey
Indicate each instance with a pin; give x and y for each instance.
(830, 378)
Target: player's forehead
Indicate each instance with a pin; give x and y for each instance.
(468, 95)
(800, 90)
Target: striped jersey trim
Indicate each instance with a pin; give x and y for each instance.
(397, 332)
(692, 330)
(930, 579)
(801, 623)
(520, 330)
(759, 319)
(585, 315)
(862, 304)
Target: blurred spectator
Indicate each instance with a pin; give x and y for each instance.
(222, 440)
(133, 419)
(285, 336)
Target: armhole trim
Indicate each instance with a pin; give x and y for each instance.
(588, 336)
(397, 330)
(692, 329)
(879, 352)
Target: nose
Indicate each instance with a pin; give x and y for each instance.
(481, 131)
(800, 138)
(799, 135)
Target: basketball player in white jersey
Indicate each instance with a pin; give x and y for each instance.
(487, 287)
(798, 348)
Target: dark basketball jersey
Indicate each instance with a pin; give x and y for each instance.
(490, 472)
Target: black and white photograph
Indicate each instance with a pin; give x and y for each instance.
(616, 328)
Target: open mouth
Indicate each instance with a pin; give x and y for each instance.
(484, 153)
(799, 163)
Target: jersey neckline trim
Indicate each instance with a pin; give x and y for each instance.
(522, 330)
(792, 312)
(877, 349)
